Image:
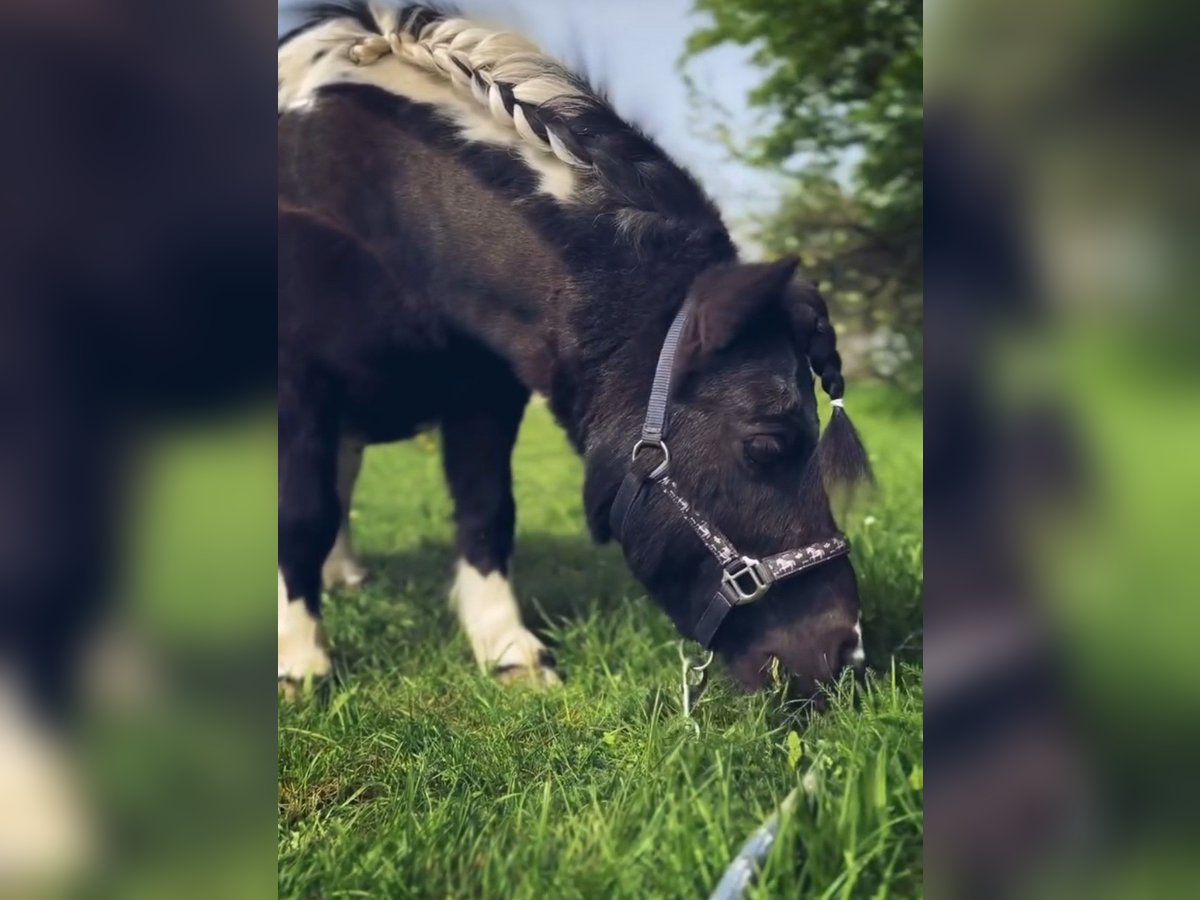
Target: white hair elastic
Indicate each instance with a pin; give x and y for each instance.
(839, 403)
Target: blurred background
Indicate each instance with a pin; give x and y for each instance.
(1061, 200)
(137, 448)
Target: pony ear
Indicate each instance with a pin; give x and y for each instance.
(725, 298)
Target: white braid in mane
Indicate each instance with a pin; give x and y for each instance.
(475, 60)
(455, 64)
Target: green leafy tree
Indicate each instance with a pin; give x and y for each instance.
(842, 90)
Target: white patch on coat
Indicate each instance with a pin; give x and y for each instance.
(46, 830)
(300, 80)
(302, 652)
(488, 612)
(342, 568)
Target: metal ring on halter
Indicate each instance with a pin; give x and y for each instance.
(661, 469)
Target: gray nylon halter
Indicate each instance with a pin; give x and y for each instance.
(744, 579)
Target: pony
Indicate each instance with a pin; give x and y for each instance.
(465, 222)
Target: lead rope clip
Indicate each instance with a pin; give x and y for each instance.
(694, 676)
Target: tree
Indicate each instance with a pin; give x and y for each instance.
(842, 83)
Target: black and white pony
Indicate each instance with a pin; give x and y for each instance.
(463, 222)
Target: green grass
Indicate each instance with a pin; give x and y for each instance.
(417, 776)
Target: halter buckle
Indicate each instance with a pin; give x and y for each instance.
(661, 469)
(745, 580)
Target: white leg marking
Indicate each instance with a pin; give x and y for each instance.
(342, 568)
(302, 650)
(45, 829)
(858, 656)
(491, 618)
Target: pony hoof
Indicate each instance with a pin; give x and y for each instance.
(291, 689)
(345, 575)
(303, 650)
(288, 690)
(541, 674)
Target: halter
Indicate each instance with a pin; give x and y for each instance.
(744, 579)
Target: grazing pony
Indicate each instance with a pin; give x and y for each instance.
(463, 221)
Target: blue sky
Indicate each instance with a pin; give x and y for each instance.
(630, 48)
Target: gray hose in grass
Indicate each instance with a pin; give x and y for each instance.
(745, 865)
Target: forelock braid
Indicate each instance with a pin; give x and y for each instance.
(841, 456)
(814, 329)
(825, 360)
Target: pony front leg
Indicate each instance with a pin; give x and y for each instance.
(477, 455)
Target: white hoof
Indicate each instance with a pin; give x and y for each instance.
(342, 572)
(525, 660)
(303, 652)
(342, 569)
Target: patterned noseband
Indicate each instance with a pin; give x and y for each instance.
(744, 579)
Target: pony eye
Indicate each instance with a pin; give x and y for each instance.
(764, 449)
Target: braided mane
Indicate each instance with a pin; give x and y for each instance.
(550, 108)
(505, 74)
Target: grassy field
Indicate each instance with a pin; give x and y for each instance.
(416, 776)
